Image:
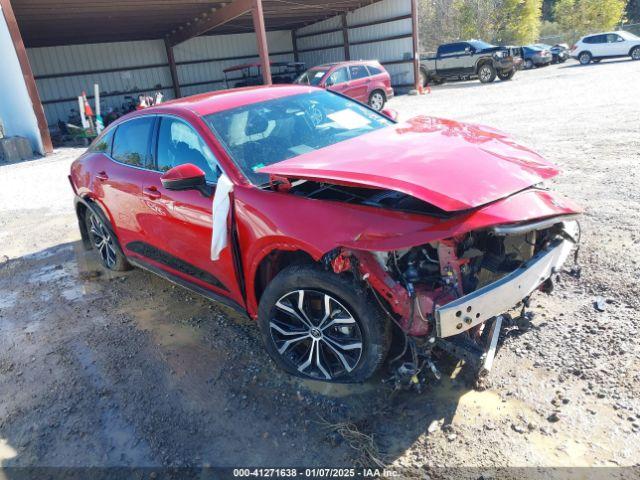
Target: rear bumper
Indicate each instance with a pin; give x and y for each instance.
(390, 93)
(496, 298)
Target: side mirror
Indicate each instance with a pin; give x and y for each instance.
(186, 177)
(390, 113)
(329, 82)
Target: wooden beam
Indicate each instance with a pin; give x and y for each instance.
(345, 37)
(209, 21)
(261, 36)
(173, 69)
(27, 74)
(416, 45)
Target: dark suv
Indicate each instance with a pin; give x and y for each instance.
(466, 60)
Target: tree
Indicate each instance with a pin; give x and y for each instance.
(587, 16)
(521, 20)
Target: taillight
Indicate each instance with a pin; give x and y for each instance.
(574, 47)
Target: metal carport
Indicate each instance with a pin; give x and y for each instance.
(180, 47)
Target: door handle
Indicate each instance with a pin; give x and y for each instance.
(102, 176)
(151, 192)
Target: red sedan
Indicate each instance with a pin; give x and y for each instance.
(327, 222)
(366, 81)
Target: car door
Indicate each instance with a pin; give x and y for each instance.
(616, 45)
(177, 225)
(452, 59)
(338, 80)
(117, 169)
(599, 46)
(358, 87)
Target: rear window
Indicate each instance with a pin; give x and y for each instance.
(131, 141)
(374, 70)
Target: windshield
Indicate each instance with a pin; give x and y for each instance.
(268, 132)
(313, 76)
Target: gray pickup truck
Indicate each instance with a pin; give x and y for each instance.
(466, 60)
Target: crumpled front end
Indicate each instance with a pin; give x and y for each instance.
(453, 292)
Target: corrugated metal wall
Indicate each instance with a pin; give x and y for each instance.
(201, 61)
(62, 73)
(390, 42)
(130, 68)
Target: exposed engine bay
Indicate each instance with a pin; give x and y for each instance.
(454, 293)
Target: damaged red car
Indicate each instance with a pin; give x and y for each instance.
(335, 227)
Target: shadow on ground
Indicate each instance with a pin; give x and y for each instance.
(104, 369)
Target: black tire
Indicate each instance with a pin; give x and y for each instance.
(369, 327)
(486, 73)
(635, 53)
(585, 58)
(377, 100)
(506, 75)
(528, 64)
(105, 242)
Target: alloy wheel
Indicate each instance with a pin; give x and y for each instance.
(377, 101)
(102, 241)
(485, 73)
(635, 54)
(315, 334)
(585, 58)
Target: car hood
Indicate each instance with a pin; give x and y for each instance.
(451, 165)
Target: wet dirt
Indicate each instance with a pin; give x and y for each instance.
(104, 369)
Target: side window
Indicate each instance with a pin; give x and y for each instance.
(179, 143)
(374, 70)
(339, 76)
(358, 71)
(590, 40)
(131, 141)
(103, 143)
(613, 38)
(600, 39)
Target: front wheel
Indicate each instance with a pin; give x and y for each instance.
(487, 73)
(506, 74)
(377, 100)
(635, 53)
(320, 325)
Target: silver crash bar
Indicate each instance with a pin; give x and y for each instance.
(496, 298)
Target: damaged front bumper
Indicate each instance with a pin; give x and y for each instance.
(496, 298)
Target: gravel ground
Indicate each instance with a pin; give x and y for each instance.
(99, 369)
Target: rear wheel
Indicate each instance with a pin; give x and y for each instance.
(487, 73)
(320, 325)
(528, 64)
(105, 242)
(506, 74)
(635, 53)
(585, 58)
(377, 99)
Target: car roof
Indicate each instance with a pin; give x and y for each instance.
(347, 63)
(213, 102)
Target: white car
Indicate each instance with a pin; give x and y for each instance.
(599, 46)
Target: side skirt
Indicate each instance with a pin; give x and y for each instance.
(188, 285)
